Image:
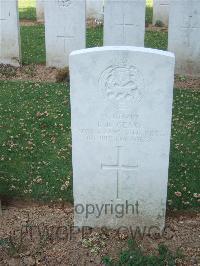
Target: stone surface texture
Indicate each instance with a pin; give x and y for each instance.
(184, 36)
(40, 10)
(10, 52)
(124, 22)
(65, 30)
(161, 11)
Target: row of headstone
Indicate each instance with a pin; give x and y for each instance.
(65, 30)
(124, 24)
(94, 9)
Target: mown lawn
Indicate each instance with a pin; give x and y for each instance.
(33, 44)
(35, 143)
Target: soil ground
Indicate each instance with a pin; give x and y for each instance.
(41, 73)
(44, 235)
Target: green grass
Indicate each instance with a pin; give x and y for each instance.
(156, 39)
(33, 42)
(134, 256)
(27, 9)
(149, 11)
(184, 169)
(35, 143)
(94, 37)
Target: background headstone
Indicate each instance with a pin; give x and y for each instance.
(65, 29)
(121, 107)
(161, 11)
(9, 33)
(40, 10)
(184, 36)
(124, 22)
(94, 9)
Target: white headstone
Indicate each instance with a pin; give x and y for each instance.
(94, 9)
(65, 29)
(40, 10)
(121, 104)
(124, 22)
(161, 11)
(184, 36)
(9, 33)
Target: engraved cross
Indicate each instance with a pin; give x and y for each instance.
(164, 4)
(66, 38)
(119, 168)
(3, 19)
(189, 28)
(189, 24)
(124, 25)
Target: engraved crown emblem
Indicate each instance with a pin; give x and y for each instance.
(64, 3)
(122, 83)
